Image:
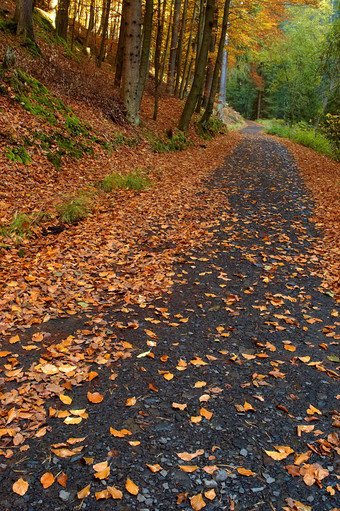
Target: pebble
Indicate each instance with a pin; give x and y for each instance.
(243, 452)
(64, 495)
(221, 475)
(210, 483)
(164, 473)
(255, 490)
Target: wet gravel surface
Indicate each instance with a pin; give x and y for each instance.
(248, 321)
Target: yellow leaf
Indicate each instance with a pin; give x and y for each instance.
(131, 487)
(134, 443)
(283, 452)
(103, 474)
(312, 410)
(305, 429)
(13, 340)
(47, 479)
(200, 384)
(302, 458)
(20, 487)
(197, 502)
(154, 468)
(197, 361)
(245, 472)
(67, 400)
(196, 419)
(104, 494)
(100, 466)
(73, 420)
(188, 468)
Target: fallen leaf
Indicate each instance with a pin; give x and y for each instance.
(179, 406)
(20, 487)
(13, 340)
(205, 413)
(131, 401)
(188, 468)
(131, 487)
(197, 502)
(302, 458)
(305, 429)
(47, 479)
(100, 466)
(283, 452)
(62, 479)
(210, 494)
(200, 384)
(67, 400)
(245, 471)
(120, 434)
(114, 492)
(185, 456)
(154, 468)
(95, 397)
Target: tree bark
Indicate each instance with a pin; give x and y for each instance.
(210, 64)
(173, 46)
(145, 54)
(89, 27)
(200, 68)
(166, 50)
(180, 48)
(131, 60)
(159, 39)
(120, 49)
(104, 33)
(61, 20)
(23, 19)
(186, 63)
(223, 80)
(214, 86)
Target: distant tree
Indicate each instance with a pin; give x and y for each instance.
(173, 46)
(23, 19)
(145, 52)
(61, 20)
(131, 60)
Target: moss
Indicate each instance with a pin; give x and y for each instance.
(55, 158)
(7, 26)
(18, 154)
(210, 129)
(177, 142)
(76, 127)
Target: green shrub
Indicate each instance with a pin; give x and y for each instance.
(21, 223)
(18, 154)
(134, 180)
(210, 129)
(330, 127)
(176, 142)
(74, 209)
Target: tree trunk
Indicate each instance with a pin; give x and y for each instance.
(173, 46)
(145, 54)
(166, 50)
(89, 27)
(120, 49)
(131, 60)
(186, 63)
(104, 33)
(61, 20)
(159, 39)
(189, 76)
(200, 68)
(210, 64)
(180, 48)
(23, 19)
(223, 80)
(214, 86)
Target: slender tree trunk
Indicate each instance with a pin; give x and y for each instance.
(198, 48)
(187, 60)
(131, 60)
(180, 48)
(61, 20)
(325, 101)
(223, 80)
(214, 86)
(189, 76)
(200, 68)
(167, 44)
(173, 46)
(23, 19)
(120, 49)
(145, 53)
(159, 39)
(210, 64)
(89, 27)
(104, 33)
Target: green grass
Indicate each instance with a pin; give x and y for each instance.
(176, 142)
(18, 154)
(21, 224)
(134, 180)
(302, 134)
(74, 209)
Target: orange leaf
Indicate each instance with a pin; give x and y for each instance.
(196, 419)
(67, 400)
(210, 469)
(205, 413)
(73, 420)
(302, 458)
(197, 502)
(13, 340)
(245, 471)
(188, 468)
(62, 479)
(131, 401)
(151, 334)
(120, 434)
(20, 487)
(66, 453)
(100, 466)
(103, 474)
(114, 492)
(133, 443)
(312, 410)
(179, 406)
(210, 494)
(47, 479)
(306, 429)
(95, 397)
(185, 456)
(131, 487)
(283, 452)
(200, 384)
(104, 494)
(92, 375)
(154, 468)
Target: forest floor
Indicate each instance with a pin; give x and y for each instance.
(204, 369)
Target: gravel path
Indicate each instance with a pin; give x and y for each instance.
(248, 335)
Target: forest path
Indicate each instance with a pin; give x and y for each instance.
(245, 344)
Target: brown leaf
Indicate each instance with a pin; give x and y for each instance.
(62, 479)
(302, 458)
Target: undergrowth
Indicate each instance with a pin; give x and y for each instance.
(210, 129)
(22, 223)
(175, 142)
(74, 209)
(303, 134)
(18, 154)
(134, 180)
